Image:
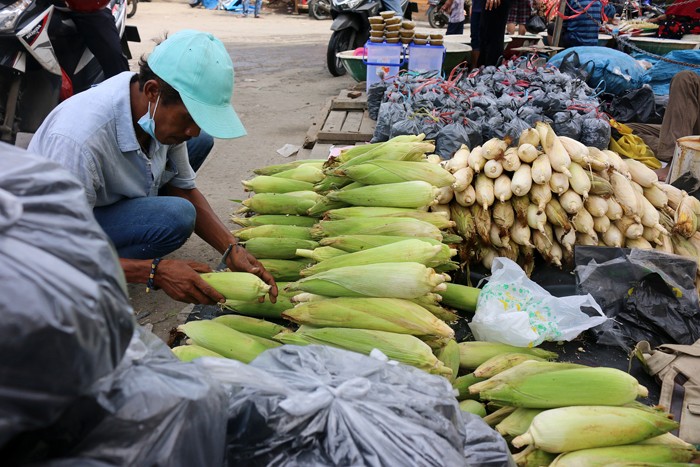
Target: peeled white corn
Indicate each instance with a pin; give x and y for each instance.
(511, 161)
(614, 211)
(579, 182)
(520, 233)
(459, 159)
(476, 159)
(493, 169)
(540, 195)
(601, 224)
(521, 182)
(536, 220)
(502, 188)
(613, 237)
(529, 136)
(571, 202)
(484, 191)
(444, 195)
(494, 148)
(541, 170)
(641, 173)
(466, 197)
(559, 183)
(566, 239)
(596, 205)
(528, 153)
(577, 151)
(463, 178)
(625, 194)
(558, 157)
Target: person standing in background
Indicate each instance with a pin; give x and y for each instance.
(583, 28)
(455, 10)
(475, 23)
(491, 31)
(258, 7)
(518, 15)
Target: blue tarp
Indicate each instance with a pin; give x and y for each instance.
(659, 76)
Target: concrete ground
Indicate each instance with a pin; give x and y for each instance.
(281, 84)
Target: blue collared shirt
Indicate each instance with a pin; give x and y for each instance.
(92, 135)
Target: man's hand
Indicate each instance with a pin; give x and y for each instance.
(181, 281)
(492, 4)
(240, 260)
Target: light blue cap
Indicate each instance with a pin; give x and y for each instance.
(197, 65)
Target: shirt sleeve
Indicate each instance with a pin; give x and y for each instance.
(72, 156)
(185, 175)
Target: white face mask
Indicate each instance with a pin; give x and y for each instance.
(147, 121)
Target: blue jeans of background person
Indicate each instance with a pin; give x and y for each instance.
(153, 226)
(393, 5)
(258, 6)
(454, 29)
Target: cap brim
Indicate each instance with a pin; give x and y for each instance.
(220, 122)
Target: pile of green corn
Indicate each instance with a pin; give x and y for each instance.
(565, 414)
(360, 260)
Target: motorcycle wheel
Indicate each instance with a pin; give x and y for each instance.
(316, 12)
(131, 11)
(340, 42)
(436, 18)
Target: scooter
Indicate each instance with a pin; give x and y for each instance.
(132, 5)
(438, 18)
(320, 9)
(43, 61)
(351, 27)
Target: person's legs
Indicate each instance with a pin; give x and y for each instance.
(149, 227)
(475, 23)
(493, 24)
(244, 4)
(198, 149)
(682, 117)
(258, 7)
(102, 38)
(455, 29)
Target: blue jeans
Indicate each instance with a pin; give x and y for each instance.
(258, 6)
(153, 226)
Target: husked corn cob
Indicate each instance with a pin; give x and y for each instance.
(284, 269)
(529, 136)
(461, 297)
(249, 325)
(275, 169)
(502, 362)
(352, 243)
(409, 250)
(400, 347)
(473, 354)
(604, 457)
(274, 219)
(462, 383)
(384, 280)
(517, 422)
(236, 285)
(397, 226)
(297, 202)
(584, 427)
(268, 184)
(273, 231)
(567, 387)
(381, 314)
(472, 406)
(321, 253)
(438, 219)
(540, 195)
(449, 356)
(552, 146)
(400, 195)
(223, 340)
(187, 353)
(277, 248)
(379, 172)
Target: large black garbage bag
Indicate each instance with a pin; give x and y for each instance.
(637, 105)
(66, 319)
(455, 134)
(316, 405)
(649, 295)
(79, 385)
(389, 113)
(595, 131)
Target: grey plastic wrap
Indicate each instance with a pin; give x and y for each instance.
(317, 405)
(66, 318)
(160, 412)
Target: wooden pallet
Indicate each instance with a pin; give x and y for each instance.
(344, 119)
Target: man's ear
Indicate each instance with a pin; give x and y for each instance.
(151, 89)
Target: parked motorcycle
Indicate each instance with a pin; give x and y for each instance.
(43, 60)
(320, 9)
(438, 18)
(131, 9)
(351, 27)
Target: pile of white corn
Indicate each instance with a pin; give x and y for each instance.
(550, 193)
(565, 414)
(366, 255)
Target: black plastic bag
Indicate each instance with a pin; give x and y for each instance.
(637, 105)
(317, 405)
(453, 135)
(595, 131)
(648, 294)
(375, 94)
(535, 24)
(409, 126)
(572, 66)
(567, 124)
(389, 113)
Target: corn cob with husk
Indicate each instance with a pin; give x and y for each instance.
(273, 231)
(352, 243)
(187, 353)
(268, 184)
(394, 226)
(474, 407)
(403, 348)
(532, 457)
(320, 254)
(502, 362)
(310, 173)
(462, 383)
(223, 340)
(249, 325)
(473, 354)
(398, 280)
(397, 151)
(274, 219)
(280, 168)
(441, 219)
(284, 269)
(630, 453)
(381, 314)
(572, 428)
(497, 416)
(277, 248)
(449, 356)
(236, 285)
(517, 422)
(379, 172)
(297, 202)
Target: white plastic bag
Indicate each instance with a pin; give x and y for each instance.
(514, 310)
